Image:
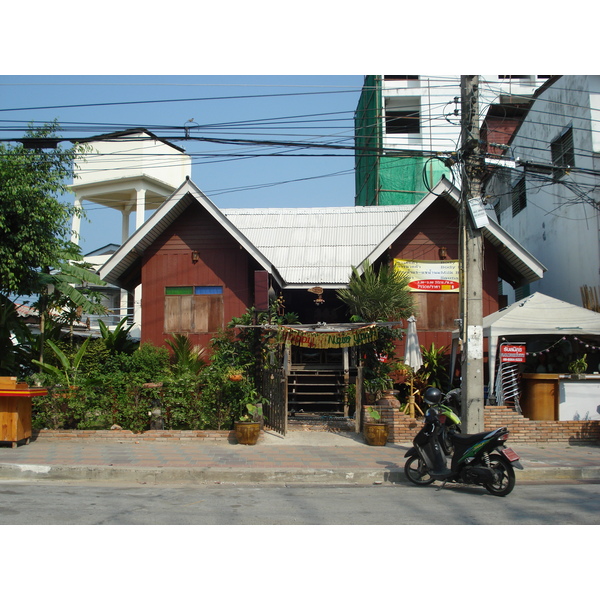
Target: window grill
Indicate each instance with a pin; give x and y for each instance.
(563, 153)
(519, 197)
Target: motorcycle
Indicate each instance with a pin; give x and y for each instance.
(448, 407)
(478, 459)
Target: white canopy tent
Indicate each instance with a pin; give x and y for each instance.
(535, 315)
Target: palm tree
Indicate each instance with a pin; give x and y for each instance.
(378, 295)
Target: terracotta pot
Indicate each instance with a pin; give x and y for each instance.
(236, 377)
(376, 434)
(247, 432)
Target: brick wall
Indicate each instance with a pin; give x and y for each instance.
(129, 436)
(403, 429)
(527, 431)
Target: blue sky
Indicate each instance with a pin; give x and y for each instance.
(317, 109)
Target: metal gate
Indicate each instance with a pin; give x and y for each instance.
(274, 389)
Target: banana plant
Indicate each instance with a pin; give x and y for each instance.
(68, 373)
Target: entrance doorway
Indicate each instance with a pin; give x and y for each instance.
(318, 381)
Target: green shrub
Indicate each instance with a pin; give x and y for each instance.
(182, 404)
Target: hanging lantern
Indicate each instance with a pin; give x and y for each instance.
(319, 292)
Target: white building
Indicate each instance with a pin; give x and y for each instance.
(131, 171)
(550, 201)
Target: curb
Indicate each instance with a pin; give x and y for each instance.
(558, 474)
(159, 475)
(212, 475)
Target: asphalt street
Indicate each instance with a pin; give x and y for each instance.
(58, 503)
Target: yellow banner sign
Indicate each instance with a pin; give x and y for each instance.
(333, 339)
(430, 275)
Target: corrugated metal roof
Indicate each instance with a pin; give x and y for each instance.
(316, 245)
(303, 247)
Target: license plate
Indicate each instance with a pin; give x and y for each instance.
(510, 454)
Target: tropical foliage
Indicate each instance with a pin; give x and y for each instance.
(34, 223)
(108, 381)
(378, 295)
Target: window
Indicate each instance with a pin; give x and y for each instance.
(563, 153)
(519, 197)
(402, 114)
(522, 292)
(402, 121)
(401, 77)
(193, 309)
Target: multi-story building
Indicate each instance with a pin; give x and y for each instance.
(547, 196)
(406, 127)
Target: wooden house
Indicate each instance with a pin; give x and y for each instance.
(200, 266)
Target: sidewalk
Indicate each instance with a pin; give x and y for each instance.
(300, 457)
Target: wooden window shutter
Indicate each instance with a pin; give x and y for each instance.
(207, 313)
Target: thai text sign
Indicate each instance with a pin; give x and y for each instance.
(430, 275)
(513, 353)
(333, 339)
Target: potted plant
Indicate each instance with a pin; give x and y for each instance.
(375, 430)
(235, 374)
(247, 429)
(578, 367)
(375, 386)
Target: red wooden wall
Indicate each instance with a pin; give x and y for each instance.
(436, 312)
(168, 262)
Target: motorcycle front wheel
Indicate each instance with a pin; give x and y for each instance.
(416, 471)
(446, 438)
(506, 476)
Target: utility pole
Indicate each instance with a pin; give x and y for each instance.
(471, 261)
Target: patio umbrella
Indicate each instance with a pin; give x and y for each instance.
(413, 358)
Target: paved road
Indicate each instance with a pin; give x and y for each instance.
(113, 504)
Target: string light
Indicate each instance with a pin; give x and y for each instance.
(587, 345)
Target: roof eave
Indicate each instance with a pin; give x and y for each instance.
(443, 187)
(129, 255)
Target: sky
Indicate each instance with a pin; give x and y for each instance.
(297, 108)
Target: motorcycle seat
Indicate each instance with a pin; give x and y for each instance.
(470, 438)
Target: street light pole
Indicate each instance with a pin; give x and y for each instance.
(472, 261)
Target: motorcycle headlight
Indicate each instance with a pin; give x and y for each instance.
(431, 415)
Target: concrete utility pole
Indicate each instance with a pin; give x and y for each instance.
(472, 261)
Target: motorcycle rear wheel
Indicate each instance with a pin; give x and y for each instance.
(506, 476)
(417, 474)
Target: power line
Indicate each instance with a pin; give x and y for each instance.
(175, 100)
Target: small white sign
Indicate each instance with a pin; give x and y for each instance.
(478, 213)
(474, 342)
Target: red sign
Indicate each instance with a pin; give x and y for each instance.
(513, 353)
(434, 285)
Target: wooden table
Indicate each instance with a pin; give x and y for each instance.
(15, 410)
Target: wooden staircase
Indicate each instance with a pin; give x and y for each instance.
(318, 391)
